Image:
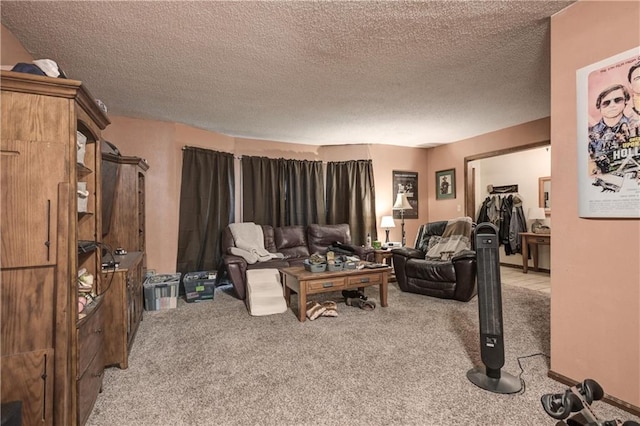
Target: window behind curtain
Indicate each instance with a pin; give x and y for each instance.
(351, 197)
(304, 192)
(281, 192)
(206, 208)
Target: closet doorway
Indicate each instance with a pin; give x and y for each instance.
(521, 166)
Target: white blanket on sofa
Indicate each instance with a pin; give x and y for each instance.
(249, 243)
(455, 238)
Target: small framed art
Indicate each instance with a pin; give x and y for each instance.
(446, 184)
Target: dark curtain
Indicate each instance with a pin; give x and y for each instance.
(263, 190)
(351, 198)
(206, 208)
(281, 192)
(305, 192)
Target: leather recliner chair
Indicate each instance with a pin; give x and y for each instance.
(446, 279)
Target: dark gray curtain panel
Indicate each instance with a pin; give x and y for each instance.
(263, 190)
(305, 192)
(206, 208)
(351, 197)
(281, 192)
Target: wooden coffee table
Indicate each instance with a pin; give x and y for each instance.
(302, 282)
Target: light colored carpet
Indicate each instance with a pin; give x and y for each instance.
(211, 363)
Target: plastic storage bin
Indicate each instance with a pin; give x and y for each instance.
(314, 267)
(199, 286)
(161, 291)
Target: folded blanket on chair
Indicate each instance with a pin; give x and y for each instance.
(249, 240)
(455, 238)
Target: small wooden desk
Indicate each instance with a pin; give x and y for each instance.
(535, 240)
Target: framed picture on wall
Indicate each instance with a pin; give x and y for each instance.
(446, 184)
(407, 183)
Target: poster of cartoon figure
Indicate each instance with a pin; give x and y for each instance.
(608, 96)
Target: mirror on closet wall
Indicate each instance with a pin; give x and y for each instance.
(544, 194)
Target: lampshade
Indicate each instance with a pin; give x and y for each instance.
(387, 222)
(536, 213)
(401, 202)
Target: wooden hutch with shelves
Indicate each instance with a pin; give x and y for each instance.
(126, 229)
(52, 354)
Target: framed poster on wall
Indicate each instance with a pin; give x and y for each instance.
(608, 109)
(406, 182)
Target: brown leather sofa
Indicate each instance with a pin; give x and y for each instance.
(446, 279)
(296, 243)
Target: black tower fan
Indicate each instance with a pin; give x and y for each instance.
(490, 311)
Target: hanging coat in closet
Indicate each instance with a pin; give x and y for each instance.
(483, 214)
(517, 225)
(505, 221)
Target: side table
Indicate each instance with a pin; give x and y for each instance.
(381, 256)
(535, 240)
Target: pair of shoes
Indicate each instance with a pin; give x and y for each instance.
(353, 294)
(331, 309)
(367, 305)
(326, 309)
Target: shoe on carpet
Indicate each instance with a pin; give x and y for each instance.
(353, 294)
(314, 310)
(331, 308)
(367, 305)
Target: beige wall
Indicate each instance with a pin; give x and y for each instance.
(12, 50)
(595, 307)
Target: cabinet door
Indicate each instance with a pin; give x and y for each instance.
(138, 296)
(28, 377)
(89, 386)
(34, 160)
(27, 303)
(30, 179)
(114, 310)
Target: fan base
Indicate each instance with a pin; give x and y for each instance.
(507, 383)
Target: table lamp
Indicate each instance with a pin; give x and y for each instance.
(536, 214)
(402, 204)
(386, 223)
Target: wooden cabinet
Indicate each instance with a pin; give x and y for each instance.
(124, 305)
(41, 226)
(90, 359)
(128, 226)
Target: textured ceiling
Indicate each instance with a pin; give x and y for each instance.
(314, 72)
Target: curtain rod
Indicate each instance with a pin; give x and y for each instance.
(239, 157)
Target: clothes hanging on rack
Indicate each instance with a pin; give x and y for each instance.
(517, 225)
(507, 214)
(490, 210)
(505, 220)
